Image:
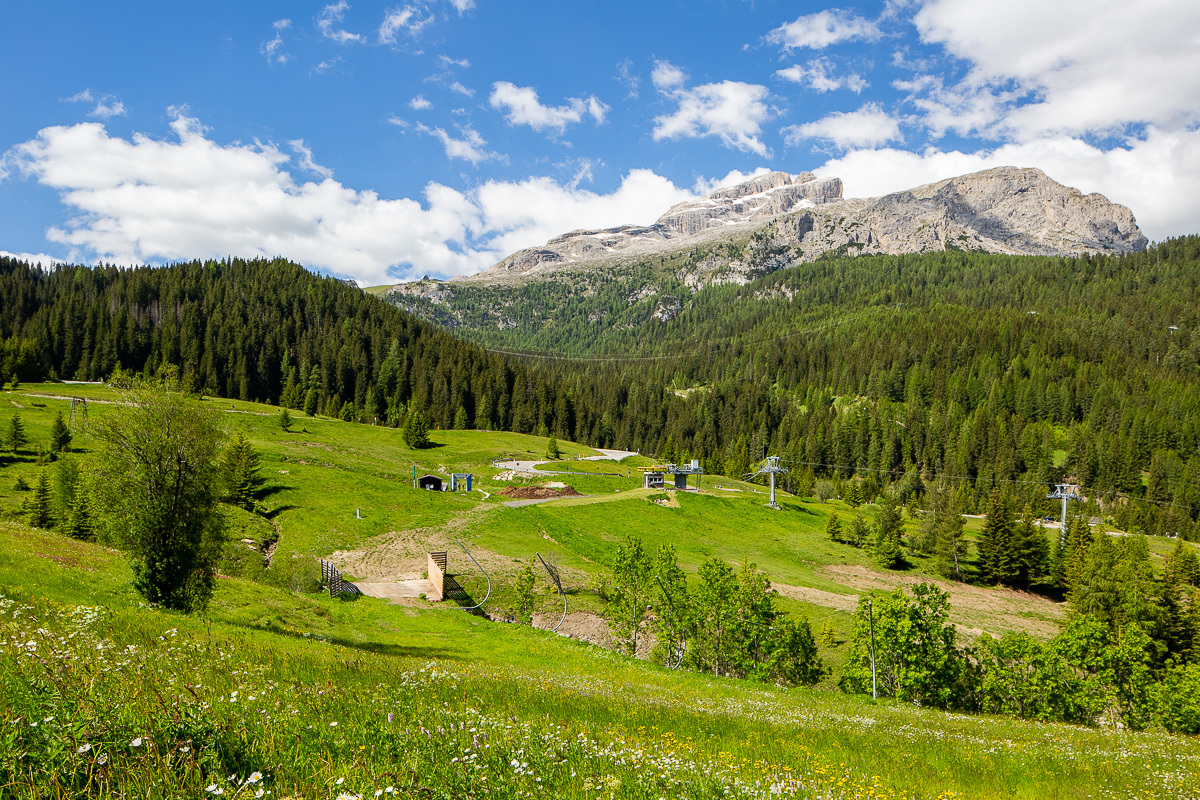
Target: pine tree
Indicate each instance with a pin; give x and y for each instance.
(996, 543)
(888, 551)
(79, 523)
(460, 419)
(60, 435)
(416, 432)
(39, 504)
(944, 524)
(833, 528)
(552, 451)
(16, 433)
(854, 494)
(241, 471)
(285, 419)
(310, 403)
(858, 532)
(1031, 550)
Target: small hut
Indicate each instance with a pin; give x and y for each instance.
(430, 483)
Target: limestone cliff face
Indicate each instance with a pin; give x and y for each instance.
(1003, 210)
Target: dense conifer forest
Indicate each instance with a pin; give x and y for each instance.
(985, 371)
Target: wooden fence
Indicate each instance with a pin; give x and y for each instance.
(331, 577)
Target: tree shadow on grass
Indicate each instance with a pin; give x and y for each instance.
(378, 648)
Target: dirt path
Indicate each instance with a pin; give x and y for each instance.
(974, 609)
(401, 555)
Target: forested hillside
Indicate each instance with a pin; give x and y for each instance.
(991, 371)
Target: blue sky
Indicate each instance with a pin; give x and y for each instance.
(384, 141)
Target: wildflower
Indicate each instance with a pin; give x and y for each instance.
(339, 781)
(136, 742)
(255, 777)
(333, 724)
(184, 749)
(102, 759)
(378, 792)
(83, 749)
(260, 792)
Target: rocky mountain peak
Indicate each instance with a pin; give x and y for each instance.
(1002, 210)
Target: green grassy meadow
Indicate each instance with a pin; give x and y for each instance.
(279, 690)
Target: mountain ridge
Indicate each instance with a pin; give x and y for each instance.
(1011, 210)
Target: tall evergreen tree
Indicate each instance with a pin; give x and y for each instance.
(39, 504)
(60, 435)
(16, 437)
(241, 471)
(996, 557)
(833, 528)
(1031, 550)
(888, 550)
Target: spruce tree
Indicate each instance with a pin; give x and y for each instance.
(39, 504)
(460, 419)
(833, 528)
(78, 523)
(858, 532)
(16, 433)
(285, 419)
(996, 543)
(946, 524)
(1031, 550)
(888, 551)
(241, 470)
(854, 494)
(60, 435)
(416, 432)
(552, 451)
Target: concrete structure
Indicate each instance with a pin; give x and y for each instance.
(460, 480)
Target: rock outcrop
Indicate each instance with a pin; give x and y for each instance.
(1003, 210)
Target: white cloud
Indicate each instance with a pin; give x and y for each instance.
(470, 147)
(1070, 68)
(628, 79)
(1154, 176)
(822, 29)
(144, 200)
(419, 103)
(819, 76)
(460, 89)
(306, 159)
(448, 62)
(33, 258)
(321, 67)
(404, 19)
(869, 126)
(520, 105)
(329, 20)
(529, 212)
(666, 76)
(462, 6)
(107, 105)
(705, 186)
(108, 110)
(730, 110)
(272, 50)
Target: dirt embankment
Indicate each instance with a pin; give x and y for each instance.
(538, 492)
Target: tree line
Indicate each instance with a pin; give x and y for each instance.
(985, 370)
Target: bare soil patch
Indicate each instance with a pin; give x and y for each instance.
(538, 492)
(974, 609)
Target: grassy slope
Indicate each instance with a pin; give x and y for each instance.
(516, 672)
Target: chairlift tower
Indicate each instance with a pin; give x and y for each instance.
(1064, 492)
(772, 468)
